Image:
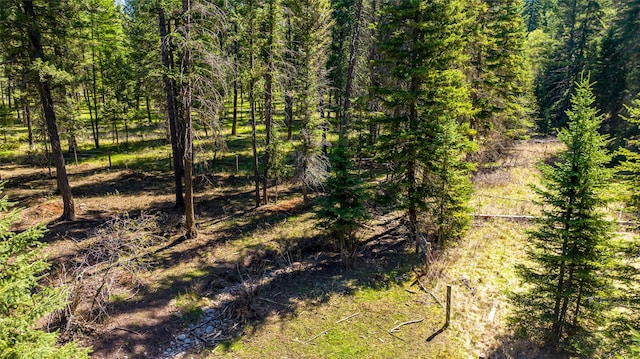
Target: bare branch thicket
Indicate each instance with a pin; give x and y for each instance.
(106, 267)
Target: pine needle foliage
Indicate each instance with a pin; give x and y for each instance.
(426, 98)
(311, 30)
(343, 211)
(23, 300)
(630, 167)
(570, 248)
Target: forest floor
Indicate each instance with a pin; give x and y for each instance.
(139, 284)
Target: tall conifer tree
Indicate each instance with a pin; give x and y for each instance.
(569, 246)
(500, 79)
(310, 26)
(426, 96)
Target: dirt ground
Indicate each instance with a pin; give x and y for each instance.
(235, 242)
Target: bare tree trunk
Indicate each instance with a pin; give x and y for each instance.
(268, 97)
(344, 122)
(148, 109)
(27, 116)
(9, 90)
(235, 83)
(373, 81)
(188, 126)
(288, 95)
(268, 120)
(252, 104)
(94, 129)
(37, 52)
(96, 134)
(171, 110)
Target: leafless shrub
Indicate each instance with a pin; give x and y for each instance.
(105, 267)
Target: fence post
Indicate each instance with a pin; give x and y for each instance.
(446, 324)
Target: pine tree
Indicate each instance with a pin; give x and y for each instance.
(426, 97)
(617, 71)
(23, 300)
(28, 34)
(580, 26)
(630, 167)
(569, 247)
(310, 26)
(343, 211)
(500, 78)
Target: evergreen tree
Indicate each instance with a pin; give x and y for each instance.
(580, 26)
(537, 13)
(342, 211)
(310, 26)
(449, 185)
(570, 246)
(617, 72)
(277, 167)
(630, 167)
(426, 98)
(271, 51)
(22, 24)
(500, 78)
(23, 300)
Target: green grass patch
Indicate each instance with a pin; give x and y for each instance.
(190, 305)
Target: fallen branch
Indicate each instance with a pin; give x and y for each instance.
(127, 330)
(347, 318)
(393, 335)
(327, 330)
(395, 329)
(318, 335)
(274, 302)
(432, 295)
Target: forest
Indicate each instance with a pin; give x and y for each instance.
(319, 178)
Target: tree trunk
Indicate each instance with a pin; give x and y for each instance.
(27, 116)
(268, 119)
(188, 126)
(344, 122)
(96, 135)
(9, 89)
(36, 52)
(87, 98)
(268, 98)
(561, 286)
(235, 83)
(148, 110)
(171, 110)
(252, 104)
(373, 81)
(414, 119)
(288, 95)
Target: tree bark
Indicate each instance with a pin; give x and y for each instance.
(36, 52)
(27, 116)
(234, 125)
(344, 122)
(252, 104)
(268, 97)
(148, 109)
(91, 120)
(188, 125)
(171, 110)
(96, 135)
(373, 80)
(288, 91)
